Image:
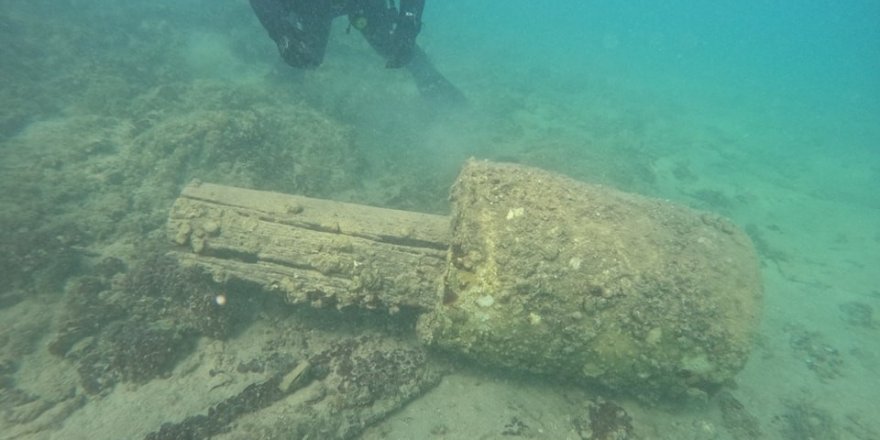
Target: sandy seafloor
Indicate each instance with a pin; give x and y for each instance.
(109, 109)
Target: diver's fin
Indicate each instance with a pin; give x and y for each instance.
(432, 84)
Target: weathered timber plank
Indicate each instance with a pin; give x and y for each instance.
(316, 251)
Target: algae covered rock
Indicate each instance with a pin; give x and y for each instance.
(282, 146)
(554, 276)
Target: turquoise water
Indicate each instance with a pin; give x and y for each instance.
(763, 112)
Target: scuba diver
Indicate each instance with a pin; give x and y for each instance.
(301, 28)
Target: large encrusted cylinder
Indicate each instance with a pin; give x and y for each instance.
(556, 276)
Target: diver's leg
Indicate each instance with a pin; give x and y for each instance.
(375, 20)
(272, 15)
(299, 29)
(317, 32)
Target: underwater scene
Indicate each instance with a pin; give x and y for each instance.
(373, 219)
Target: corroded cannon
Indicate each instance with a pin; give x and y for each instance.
(532, 271)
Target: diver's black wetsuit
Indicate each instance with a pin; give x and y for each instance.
(301, 28)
